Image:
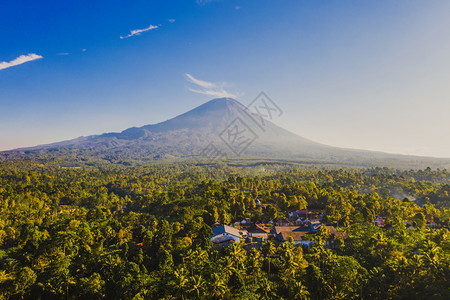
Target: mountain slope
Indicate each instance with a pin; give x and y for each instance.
(221, 127)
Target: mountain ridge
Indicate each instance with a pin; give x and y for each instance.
(213, 126)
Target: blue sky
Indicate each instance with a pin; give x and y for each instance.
(357, 74)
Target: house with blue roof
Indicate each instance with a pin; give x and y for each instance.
(225, 234)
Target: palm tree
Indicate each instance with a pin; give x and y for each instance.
(265, 289)
(218, 288)
(300, 291)
(228, 266)
(432, 257)
(254, 262)
(67, 240)
(290, 264)
(197, 285)
(237, 254)
(195, 259)
(181, 281)
(415, 263)
(269, 250)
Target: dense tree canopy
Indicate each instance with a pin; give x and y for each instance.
(144, 232)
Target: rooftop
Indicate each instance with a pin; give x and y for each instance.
(225, 229)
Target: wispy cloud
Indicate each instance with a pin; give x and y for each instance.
(203, 84)
(171, 20)
(208, 88)
(19, 60)
(63, 53)
(139, 31)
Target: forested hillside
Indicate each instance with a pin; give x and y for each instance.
(119, 232)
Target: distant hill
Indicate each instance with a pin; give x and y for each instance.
(221, 128)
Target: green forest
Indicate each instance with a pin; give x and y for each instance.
(144, 232)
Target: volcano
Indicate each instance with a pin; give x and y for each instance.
(221, 128)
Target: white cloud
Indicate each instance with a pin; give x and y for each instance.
(208, 88)
(203, 84)
(171, 20)
(139, 31)
(19, 60)
(63, 53)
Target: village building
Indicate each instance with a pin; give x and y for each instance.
(314, 225)
(298, 237)
(301, 235)
(281, 222)
(297, 233)
(245, 223)
(257, 233)
(336, 237)
(431, 224)
(379, 221)
(225, 234)
(303, 214)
